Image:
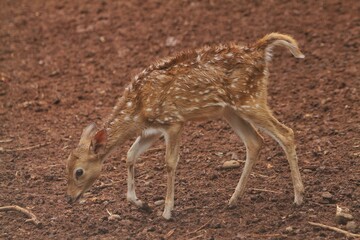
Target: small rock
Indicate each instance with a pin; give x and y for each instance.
(289, 229)
(343, 218)
(327, 195)
(54, 73)
(159, 202)
(171, 42)
(102, 39)
(230, 164)
(351, 226)
(219, 154)
(327, 198)
(343, 215)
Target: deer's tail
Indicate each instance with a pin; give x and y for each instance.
(277, 39)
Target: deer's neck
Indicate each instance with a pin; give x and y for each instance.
(122, 125)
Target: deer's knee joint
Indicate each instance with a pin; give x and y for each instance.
(171, 165)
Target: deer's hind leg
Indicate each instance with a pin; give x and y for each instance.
(285, 137)
(141, 144)
(253, 142)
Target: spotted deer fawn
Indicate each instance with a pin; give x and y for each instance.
(224, 81)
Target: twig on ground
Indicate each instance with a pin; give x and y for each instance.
(6, 140)
(199, 236)
(346, 233)
(24, 148)
(200, 228)
(32, 217)
(262, 236)
(265, 190)
(169, 234)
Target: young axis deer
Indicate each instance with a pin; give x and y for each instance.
(223, 81)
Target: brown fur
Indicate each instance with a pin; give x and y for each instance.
(224, 81)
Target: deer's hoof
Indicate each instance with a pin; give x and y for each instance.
(299, 200)
(167, 214)
(232, 203)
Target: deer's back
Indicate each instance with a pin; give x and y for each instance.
(200, 83)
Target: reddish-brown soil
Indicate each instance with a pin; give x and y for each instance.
(64, 63)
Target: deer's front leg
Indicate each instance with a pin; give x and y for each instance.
(172, 139)
(140, 145)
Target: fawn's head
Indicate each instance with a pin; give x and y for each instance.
(85, 162)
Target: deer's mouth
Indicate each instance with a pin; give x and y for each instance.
(71, 199)
(78, 197)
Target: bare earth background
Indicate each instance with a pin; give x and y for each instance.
(64, 63)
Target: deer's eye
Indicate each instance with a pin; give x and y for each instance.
(79, 172)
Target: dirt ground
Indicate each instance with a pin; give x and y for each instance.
(64, 63)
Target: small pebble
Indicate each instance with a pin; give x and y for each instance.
(289, 229)
(342, 215)
(327, 195)
(159, 202)
(343, 218)
(230, 164)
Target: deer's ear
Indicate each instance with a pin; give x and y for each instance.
(87, 133)
(89, 130)
(98, 141)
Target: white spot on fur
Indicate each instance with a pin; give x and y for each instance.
(198, 58)
(151, 131)
(192, 108)
(221, 104)
(159, 121)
